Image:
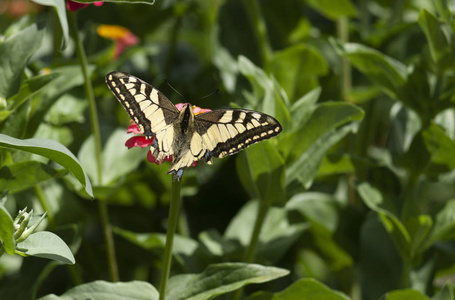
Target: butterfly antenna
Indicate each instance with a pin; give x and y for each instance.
(211, 94)
(167, 82)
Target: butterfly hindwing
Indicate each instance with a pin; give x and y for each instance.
(150, 109)
(228, 131)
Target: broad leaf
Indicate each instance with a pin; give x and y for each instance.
(23, 175)
(46, 245)
(52, 150)
(304, 289)
(404, 295)
(219, 279)
(102, 290)
(444, 225)
(297, 68)
(334, 9)
(60, 8)
(6, 230)
(440, 146)
(14, 54)
(373, 199)
(434, 32)
(261, 171)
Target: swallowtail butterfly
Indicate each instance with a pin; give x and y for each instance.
(185, 136)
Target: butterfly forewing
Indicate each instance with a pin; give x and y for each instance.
(147, 107)
(228, 131)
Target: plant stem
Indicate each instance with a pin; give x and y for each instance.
(42, 199)
(251, 250)
(260, 30)
(172, 225)
(102, 205)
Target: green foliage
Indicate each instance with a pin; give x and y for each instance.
(355, 198)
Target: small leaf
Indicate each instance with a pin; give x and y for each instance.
(219, 279)
(102, 290)
(440, 146)
(46, 245)
(52, 150)
(446, 293)
(6, 230)
(444, 224)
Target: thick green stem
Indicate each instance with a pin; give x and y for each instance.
(260, 30)
(102, 205)
(172, 225)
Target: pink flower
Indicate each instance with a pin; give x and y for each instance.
(142, 141)
(120, 35)
(73, 6)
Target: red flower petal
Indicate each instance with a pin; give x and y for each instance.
(138, 141)
(73, 6)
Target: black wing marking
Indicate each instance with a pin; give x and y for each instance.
(150, 109)
(228, 131)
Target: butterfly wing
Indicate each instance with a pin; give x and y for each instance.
(227, 131)
(150, 109)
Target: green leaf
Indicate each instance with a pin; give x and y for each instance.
(277, 234)
(446, 293)
(333, 9)
(46, 245)
(388, 72)
(302, 109)
(6, 230)
(328, 124)
(317, 208)
(436, 33)
(398, 232)
(306, 289)
(28, 89)
(14, 54)
(52, 150)
(440, 146)
(102, 290)
(261, 171)
(60, 8)
(404, 295)
(218, 279)
(297, 68)
(444, 224)
(23, 175)
(419, 228)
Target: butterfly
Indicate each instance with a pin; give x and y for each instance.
(182, 134)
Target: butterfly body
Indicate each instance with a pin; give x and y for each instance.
(182, 134)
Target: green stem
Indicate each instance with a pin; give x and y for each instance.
(251, 250)
(89, 93)
(172, 225)
(346, 79)
(42, 199)
(260, 30)
(102, 205)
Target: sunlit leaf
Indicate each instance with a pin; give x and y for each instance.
(46, 245)
(102, 290)
(218, 279)
(6, 230)
(51, 150)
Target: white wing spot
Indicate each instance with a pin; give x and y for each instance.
(256, 115)
(255, 123)
(249, 126)
(227, 117)
(132, 79)
(139, 97)
(129, 85)
(270, 131)
(241, 117)
(277, 129)
(263, 134)
(240, 128)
